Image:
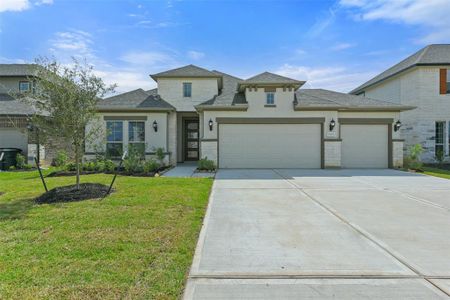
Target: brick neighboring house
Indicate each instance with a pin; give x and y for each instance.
(421, 80)
(14, 115)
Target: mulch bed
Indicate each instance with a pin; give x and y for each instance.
(122, 172)
(442, 166)
(70, 193)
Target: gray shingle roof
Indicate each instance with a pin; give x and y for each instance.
(135, 100)
(186, 71)
(10, 106)
(320, 98)
(17, 69)
(437, 54)
(229, 95)
(268, 77)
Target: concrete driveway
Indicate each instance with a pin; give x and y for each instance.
(324, 234)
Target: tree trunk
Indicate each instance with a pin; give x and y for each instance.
(77, 164)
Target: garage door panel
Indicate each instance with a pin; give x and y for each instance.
(269, 146)
(364, 146)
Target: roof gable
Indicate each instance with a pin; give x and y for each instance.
(438, 54)
(186, 71)
(135, 100)
(17, 70)
(267, 77)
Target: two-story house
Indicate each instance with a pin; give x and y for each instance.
(266, 121)
(421, 80)
(14, 114)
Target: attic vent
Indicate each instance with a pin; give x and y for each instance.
(157, 97)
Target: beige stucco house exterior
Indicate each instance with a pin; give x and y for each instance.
(266, 121)
(421, 80)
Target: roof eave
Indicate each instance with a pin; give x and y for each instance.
(122, 109)
(236, 107)
(354, 108)
(295, 85)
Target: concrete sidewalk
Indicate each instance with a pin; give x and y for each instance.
(319, 234)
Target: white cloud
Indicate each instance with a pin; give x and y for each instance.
(14, 5)
(342, 46)
(195, 55)
(322, 23)
(432, 15)
(126, 79)
(42, 2)
(147, 58)
(333, 78)
(74, 42)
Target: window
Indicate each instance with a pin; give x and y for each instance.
(24, 86)
(439, 137)
(270, 98)
(114, 138)
(136, 136)
(448, 81)
(448, 129)
(187, 89)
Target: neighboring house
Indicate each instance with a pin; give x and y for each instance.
(266, 121)
(421, 80)
(15, 78)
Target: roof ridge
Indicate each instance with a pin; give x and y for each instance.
(424, 50)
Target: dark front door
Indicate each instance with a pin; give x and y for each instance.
(191, 139)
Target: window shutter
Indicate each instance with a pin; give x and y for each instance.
(443, 81)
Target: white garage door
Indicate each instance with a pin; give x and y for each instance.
(364, 146)
(269, 146)
(13, 138)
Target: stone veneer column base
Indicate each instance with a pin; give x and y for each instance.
(332, 155)
(397, 153)
(209, 149)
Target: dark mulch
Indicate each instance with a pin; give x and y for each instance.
(122, 172)
(70, 193)
(439, 166)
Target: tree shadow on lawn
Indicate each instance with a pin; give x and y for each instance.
(15, 209)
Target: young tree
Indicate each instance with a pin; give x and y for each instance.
(65, 98)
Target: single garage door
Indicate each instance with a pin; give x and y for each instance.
(269, 146)
(13, 138)
(364, 146)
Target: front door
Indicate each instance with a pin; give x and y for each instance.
(191, 140)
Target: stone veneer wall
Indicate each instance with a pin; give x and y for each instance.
(397, 153)
(209, 150)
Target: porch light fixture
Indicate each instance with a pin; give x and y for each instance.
(397, 125)
(210, 123)
(155, 126)
(332, 124)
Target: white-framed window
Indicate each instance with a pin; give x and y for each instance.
(270, 98)
(439, 138)
(448, 81)
(24, 86)
(114, 138)
(136, 136)
(187, 89)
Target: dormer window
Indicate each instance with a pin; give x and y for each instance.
(187, 89)
(270, 98)
(24, 86)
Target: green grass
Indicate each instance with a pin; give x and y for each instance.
(437, 172)
(137, 243)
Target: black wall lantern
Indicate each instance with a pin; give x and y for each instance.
(155, 126)
(397, 125)
(210, 123)
(332, 124)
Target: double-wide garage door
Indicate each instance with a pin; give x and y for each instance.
(269, 146)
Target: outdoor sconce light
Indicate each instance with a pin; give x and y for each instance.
(397, 125)
(210, 123)
(332, 124)
(155, 126)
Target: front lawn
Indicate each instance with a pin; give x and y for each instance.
(137, 243)
(437, 172)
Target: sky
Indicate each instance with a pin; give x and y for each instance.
(335, 45)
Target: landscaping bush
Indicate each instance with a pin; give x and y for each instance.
(20, 161)
(205, 164)
(27, 167)
(439, 157)
(109, 165)
(160, 155)
(412, 161)
(71, 167)
(60, 159)
(133, 163)
(151, 165)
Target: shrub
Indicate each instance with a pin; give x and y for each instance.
(133, 163)
(160, 155)
(27, 167)
(206, 164)
(99, 166)
(20, 161)
(60, 159)
(71, 167)
(12, 168)
(109, 165)
(151, 165)
(439, 157)
(413, 160)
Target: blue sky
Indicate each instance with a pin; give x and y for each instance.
(331, 44)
